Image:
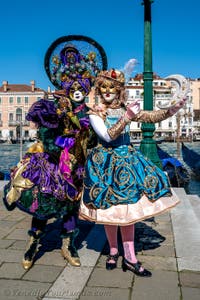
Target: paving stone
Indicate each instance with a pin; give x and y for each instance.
(4, 224)
(18, 245)
(164, 229)
(15, 217)
(163, 218)
(61, 298)
(97, 293)
(158, 262)
(169, 240)
(11, 271)
(4, 213)
(53, 258)
(9, 255)
(163, 285)
(90, 251)
(191, 263)
(70, 283)
(22, 290)
(190, 293)
(18, 234)
(163, 250)
(43, 273)
(190, 279)
(3, 234)
(114, 278)
(25, 223)
(4, 244)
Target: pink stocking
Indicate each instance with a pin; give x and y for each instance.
(128, 233)
(111, 233)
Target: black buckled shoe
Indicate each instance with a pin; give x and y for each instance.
(135, 268)
(112, 265)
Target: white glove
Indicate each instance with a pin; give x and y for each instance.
(175, 108)
(132, 110)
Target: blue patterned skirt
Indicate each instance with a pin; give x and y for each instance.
(121, 175)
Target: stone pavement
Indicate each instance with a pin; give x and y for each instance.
(168, 245)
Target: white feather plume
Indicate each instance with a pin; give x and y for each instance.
(129, 67)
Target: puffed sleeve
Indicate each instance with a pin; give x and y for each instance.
(99, 127)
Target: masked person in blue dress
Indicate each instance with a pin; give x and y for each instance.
(121, 186)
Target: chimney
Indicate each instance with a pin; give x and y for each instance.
(32, 85)
(5, 85)
(49, 89)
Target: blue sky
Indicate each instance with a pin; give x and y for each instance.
(29, 27)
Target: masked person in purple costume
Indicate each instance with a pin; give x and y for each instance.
(47, 182)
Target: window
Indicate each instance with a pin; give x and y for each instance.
(11, 134)
(18, 100)
(137, 93)
(10, 100)
(26, 100)
(18, 114)
(26, 133)
(0, 100)
(170, 124)
(0, 116)
(11, 117)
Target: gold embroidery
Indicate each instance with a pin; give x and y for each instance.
(116, 129)
(151, 116)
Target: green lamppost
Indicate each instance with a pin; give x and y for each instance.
(148, 145)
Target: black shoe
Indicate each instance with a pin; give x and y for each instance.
(112, 265)
(135, 268)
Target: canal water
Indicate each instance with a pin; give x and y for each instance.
(10, 155)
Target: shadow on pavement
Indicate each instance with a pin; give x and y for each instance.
(52, 240)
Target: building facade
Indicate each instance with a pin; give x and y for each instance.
(15, 101)
(195, 99)
(177, 126)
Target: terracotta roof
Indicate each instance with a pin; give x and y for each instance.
(139, 76)
(20, 88)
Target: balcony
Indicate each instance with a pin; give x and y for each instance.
(17, 123)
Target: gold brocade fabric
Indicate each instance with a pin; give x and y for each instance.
(117, 129)
(18, 183)
(151, 116)
(98, 110)
(36, 147)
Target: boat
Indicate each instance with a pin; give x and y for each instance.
(178, 175)
(1, 175)
(191, 158)
(4, 175)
